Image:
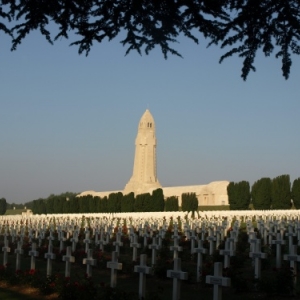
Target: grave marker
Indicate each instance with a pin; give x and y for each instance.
(218, 281)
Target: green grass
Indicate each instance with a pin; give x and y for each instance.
(14, 211)
(159, 286)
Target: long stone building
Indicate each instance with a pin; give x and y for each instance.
(144, 176)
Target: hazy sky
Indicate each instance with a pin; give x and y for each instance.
(68, 122)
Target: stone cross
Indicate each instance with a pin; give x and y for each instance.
(160, 236)
(293, 258)
(74, 240)
(290, 234)
(49, 256)
(101, 242)
(227, 253)
(51, 237)
(175, 248)
(33, 253)
(278, 242)
(233, 240)
(89, 262)
(200, 250)
(192, 238)
(211, 238)
(154, 246)
(135, 245)
(13, 235)
(145, 235)
(118, 242)
(61, 239)
(252, 240)
(87, 240)
(5, 250)
(41, 236)
(218, 281)
(142, 269)
(257, 255)
(19, 251)
(114, 266)
(68, 258)
(30, 235)
(177, 276)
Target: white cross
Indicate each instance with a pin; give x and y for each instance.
(114, 266)
(118, 242)
(135, 245)
(177, 276)
(290, 234)
(257, 256)
(87, 240)
(218, 281)
(200, 250)
(68, 258)
(192, 238)
(49, 256)
(74, 240)
(5, 250)
(142, 269)
(51, 237)
(33, 253)
(227, 253)
(89, 262)
(61, 239)
(278, 242)
(293, 258)
(154, 246)
(211, 238)
(19, 251)
(175, 248)
(101, 241)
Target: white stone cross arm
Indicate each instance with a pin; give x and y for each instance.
(218, 281)
(89, 261)
(142, 269)
(177, 276)
(114, 265)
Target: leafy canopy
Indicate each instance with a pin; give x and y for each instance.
(241, 27)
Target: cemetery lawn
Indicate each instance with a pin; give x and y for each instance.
(274, 283)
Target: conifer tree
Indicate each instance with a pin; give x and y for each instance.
(281, 192)
(261, 193)
(171, 204)
(157, 201)
(296, 193)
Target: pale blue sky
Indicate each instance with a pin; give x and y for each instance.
(68, 122)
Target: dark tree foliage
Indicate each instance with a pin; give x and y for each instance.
(239, 195)
(261, 193)
(2, 206)
(242, 27)
(103, 205)
(114, 202)
(231, 192)
(142, 202)
(296, 192)
(189, 202)
(127, 204)
(157, 200)
(171, 204)
(281, 192)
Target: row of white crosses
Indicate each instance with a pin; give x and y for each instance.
(209, 231)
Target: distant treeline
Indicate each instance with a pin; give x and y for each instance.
(265, 193)
(115, 202)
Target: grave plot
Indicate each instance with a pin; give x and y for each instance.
(160, 258)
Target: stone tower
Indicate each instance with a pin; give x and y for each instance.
(144, 177)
